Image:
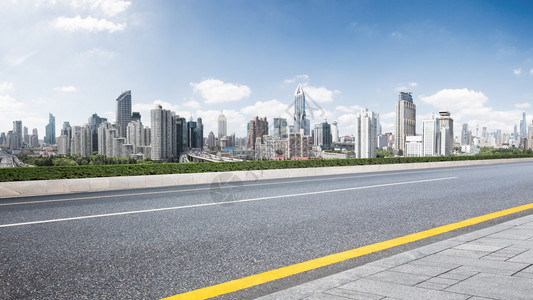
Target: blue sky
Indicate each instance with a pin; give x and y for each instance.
(74, 57)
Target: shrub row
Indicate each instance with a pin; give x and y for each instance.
(90, 171)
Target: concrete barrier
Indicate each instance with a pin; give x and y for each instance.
(62, 186)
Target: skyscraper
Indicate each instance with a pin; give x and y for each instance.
(445, 124)
(466, 135)
(222, 126)
(365, 134)
(322, 135)
(199, 133)
(523, 126)
(50, 137)
(405, 123)
(300, 117)
(258, 128)
(123, 116)
(280, 128)
(94, 123)
(163, 125)
(431, 136)
(17, 135)
(335, 131)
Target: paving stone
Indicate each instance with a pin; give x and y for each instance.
(478, 247)
(526, 257)
(399, 278)
(464, 253)
(494, 286)
(447, 265)
(310, 288)
(513, 234)
(399, 291)
(322, 296)
(497, 266)
(524, 275)
(432, 286)
(396, 260)
(421, 270)
(457, 277)
(479, 298)
(495, 257)
(353, 294)
(446, 281)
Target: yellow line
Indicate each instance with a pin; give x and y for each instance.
(253, 280)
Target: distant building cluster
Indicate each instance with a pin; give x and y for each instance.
(169, 136)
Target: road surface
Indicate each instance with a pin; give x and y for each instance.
(155, 243)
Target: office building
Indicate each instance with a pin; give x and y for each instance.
(135, 116)
(300, 116)
(335, 131)
(523, 126)
(280, 128)
(445, 124)
(405, 122)
(135, 135)
(106, 133)
(466, 136)
(3, 138)
(431, 137)
(163, 125)
(34, 139)
(50, 137)
(222, 126)
(181, 134)
(211, 141)
(199, 133)
(414, 146)
(123, 112)
(322, 136)
(94, 123)
(18, 137)
(365, 134)
(258, 127)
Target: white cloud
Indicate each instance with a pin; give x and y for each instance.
(65, 89)
(217, 91)
(192, 104)
(401, 89)
(108, 7)
(15, 61)
(389, 115)
(302, 77)
(522, 105)
(517, 71)
(4, 86)
(413, 84)
(99, 53)
(145, 108)
(271, 109)
(89, 24)
(346, 109)
(320, 94)
(469, 106)
(235, 121)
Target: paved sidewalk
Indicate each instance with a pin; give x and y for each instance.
(492, 263)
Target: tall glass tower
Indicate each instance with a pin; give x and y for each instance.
(300, 120)
(123, 112)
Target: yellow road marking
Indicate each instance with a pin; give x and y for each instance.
(220, 187)
(257, 279)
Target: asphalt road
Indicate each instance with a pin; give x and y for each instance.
(154, 243)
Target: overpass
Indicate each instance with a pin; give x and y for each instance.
(205, 157)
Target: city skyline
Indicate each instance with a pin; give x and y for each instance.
(75, 59)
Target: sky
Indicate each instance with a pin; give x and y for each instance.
(73, 58)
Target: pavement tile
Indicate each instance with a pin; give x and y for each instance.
(322, 296)
(448, 265)
(396, 260)
(495, 286)
(464, 253)
(446, 281)
(479, 298)
(399, 278)
(478, 247)
(495, 257)
(309, 288)
(362, 271)
(479, 263)
(432, 286)
(353, 294)
(421, 270)
(524, 275)
(455, 276)
(513, 234)
(526, 257)
(399, 291)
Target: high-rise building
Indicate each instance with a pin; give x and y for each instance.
(211, 141)
(191, 134)
(445, 124)
(26, 137)
(34, 139)
(50, 137)
(280, 128)
(199, 133)
(123, 116)
(18, 137)
(135, 135)
(163, 125)
(222, 126)
(335, 131)
(466, 135)
(258, 128)
(365, 134)
(300, 117)
(135, 116)
(431, 137)
(182, 135)
(94, 123)
(405, 123)
(523, 126)
(3, 138)
(322, 135)
(530, 136)
(63, 144)
(414, 146)
(298, 145)
(106, 133)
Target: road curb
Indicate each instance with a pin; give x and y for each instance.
(64, 186)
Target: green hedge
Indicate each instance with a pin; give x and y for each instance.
(64, 172)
